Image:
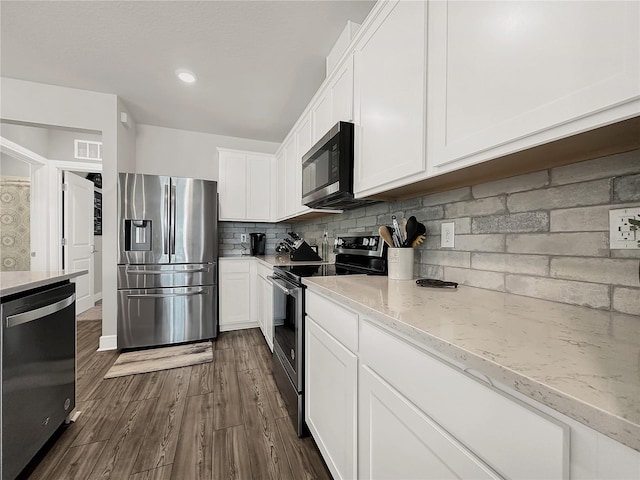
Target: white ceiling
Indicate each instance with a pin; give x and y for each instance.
(258, 62)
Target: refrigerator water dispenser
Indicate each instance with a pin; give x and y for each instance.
(137, 235)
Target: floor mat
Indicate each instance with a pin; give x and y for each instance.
(163, 358)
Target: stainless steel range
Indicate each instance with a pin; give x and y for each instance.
(362, 253)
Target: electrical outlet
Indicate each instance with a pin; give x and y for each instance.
(243, 238)
(621, 232)
(447, 235)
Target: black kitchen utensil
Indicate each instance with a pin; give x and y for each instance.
(412, 225)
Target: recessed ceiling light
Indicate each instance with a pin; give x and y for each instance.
(186, 76)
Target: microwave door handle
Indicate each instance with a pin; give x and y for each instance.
(273, 281)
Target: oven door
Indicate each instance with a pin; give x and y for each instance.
(288, 311)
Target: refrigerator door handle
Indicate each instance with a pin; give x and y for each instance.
(172, 234)
(165, 272)
(168, 295)
(165, 238)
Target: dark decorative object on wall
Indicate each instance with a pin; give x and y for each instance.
(97, 213)
(96, 178)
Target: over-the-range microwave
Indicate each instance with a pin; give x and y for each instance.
(327, 171)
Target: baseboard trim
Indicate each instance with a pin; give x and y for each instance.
(108, 342)
(238, 326)
(97, 297)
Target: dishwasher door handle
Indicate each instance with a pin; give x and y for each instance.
(35, 314)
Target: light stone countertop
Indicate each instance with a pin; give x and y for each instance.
(274, 260)
(581, 362)
(17, 282)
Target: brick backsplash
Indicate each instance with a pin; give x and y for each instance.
(229, 236)
(543, 234)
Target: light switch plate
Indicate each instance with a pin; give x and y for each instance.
(621, 232)
(447, 235)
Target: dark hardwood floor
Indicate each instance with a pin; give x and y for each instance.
(220, 420)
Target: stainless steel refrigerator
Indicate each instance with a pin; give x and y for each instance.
(167, 275)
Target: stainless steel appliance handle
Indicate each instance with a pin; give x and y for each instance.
(272, 281)
(167, 295)
(172, 231)
(162, 272)
(31, 315)
(165, 238)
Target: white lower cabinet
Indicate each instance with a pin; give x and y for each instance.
(512, 439)
(331, 382)
(264, 304)
(398, 441)
(380, 406)
(235, 294)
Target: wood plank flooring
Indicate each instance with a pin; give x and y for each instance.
(220, 420)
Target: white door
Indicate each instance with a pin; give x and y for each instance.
(78, 235)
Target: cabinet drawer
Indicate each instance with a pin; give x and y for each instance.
(235, 266)
(338, 321)
(264, 271)
(514, 439)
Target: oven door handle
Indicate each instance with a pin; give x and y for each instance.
(272, 281)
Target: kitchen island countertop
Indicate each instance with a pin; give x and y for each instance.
(17, 282)
(578, 361)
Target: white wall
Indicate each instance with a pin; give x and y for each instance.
(61, 143)
(183, 153)
(42, 104)
(35, 139)
(12, 167)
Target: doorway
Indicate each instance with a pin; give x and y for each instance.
(51, 154)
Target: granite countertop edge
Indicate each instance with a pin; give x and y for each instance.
(273, 260)
(605, 422)
(18, 282)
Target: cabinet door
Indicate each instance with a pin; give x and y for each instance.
(389, 97)
(342, 94)
(399, 441)
(505, 76)
(258, 188)
(321, 114)
(267, 311)
(293, 176)
(235, 295)
(281, 185)
(331, 377)
(233, 186)
(304, 136)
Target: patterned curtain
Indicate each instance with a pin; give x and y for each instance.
(15, 226)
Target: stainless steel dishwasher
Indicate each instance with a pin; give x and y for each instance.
(38, 351)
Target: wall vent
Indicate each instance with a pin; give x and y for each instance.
(87, 150)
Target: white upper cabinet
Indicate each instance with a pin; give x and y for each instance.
(293, 175)
(389, 97)
(321, 114)
(334, 103)
(304, 136)
(281, 185)
(245, 185)
(506, 76)
(341, 87)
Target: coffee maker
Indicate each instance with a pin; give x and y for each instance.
(257, 243)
